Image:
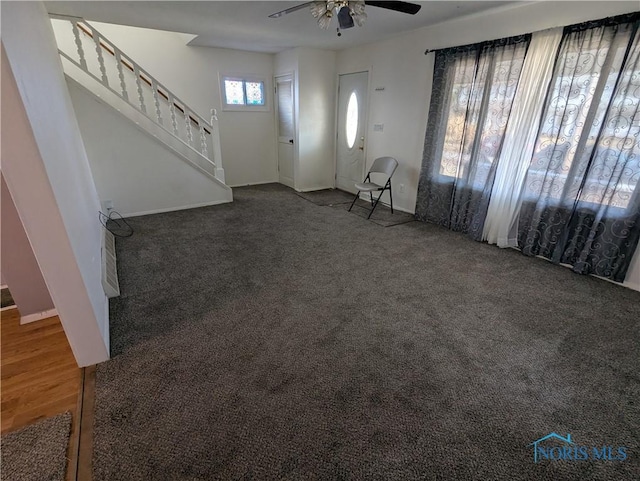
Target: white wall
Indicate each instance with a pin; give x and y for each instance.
(19, 264)
(317, 107)
(315, 103)
(192, 73)
(46, 170)
(134, 170)
(400, 66)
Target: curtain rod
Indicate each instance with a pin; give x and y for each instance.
(429, 50)
(633, 16)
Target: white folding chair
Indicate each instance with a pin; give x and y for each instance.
(382, 165)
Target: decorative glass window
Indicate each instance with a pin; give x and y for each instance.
(234, 93)
(254, 93)
(352, 119)
(239, 93)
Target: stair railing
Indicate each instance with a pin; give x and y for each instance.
(183, 122)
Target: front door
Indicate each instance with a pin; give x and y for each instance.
(286, 129)
(352, 117)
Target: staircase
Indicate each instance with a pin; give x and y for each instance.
(95, 63)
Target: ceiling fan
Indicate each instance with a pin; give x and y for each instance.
(349, 13)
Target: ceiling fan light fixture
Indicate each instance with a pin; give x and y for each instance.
(353, 13)
(356, 7)
(325, 21)
(318, 9)
(359, 18)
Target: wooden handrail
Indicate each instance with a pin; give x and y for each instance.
(142, 77)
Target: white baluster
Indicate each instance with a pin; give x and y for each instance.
(203, 140)
(187, 120)
(136, 72)
(172, 110)
(216, 155)
(123, 85)
(156, 99)
(76, 34)
(103, 70)
(214, 126)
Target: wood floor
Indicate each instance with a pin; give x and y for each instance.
(39, 375)
(40, 378)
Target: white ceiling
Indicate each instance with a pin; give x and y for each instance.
(245, 25)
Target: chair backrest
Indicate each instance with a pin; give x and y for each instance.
(384, 165)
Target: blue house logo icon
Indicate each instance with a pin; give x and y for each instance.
(535, 444)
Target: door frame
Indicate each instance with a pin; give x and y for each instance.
(291, 74)
(368, 70)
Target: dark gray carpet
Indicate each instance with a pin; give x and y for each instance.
(327, 197)
(272, 338)
(342, 200)
(37, 452)
(381, 215)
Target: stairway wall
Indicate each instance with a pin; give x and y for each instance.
(248, 139)
(134, 170)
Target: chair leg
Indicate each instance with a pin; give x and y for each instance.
(391, 196)
(371, 196)
(375, 204)
(354, 201)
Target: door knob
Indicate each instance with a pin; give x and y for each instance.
(291, 141)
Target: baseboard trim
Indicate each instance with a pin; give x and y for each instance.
(38, 316)
(74, 438)
(406, 211)
(175, 209)
(313, 189)
(85, 429)
(255, 183)
(629, 285)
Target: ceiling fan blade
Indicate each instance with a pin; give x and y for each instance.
(404, 7)
(344, 18)
(295, 9)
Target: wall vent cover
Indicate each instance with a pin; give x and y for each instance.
(109, 268)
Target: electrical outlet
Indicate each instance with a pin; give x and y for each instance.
(108, 205)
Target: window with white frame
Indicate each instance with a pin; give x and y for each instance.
(243, 93)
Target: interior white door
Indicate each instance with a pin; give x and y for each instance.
(286, 129)
(352, 117)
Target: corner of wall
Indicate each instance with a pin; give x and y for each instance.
(43, 153)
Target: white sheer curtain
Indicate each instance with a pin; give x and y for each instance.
(500, 226)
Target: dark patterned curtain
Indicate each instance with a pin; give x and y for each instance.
(473, 90)
(581, 200)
